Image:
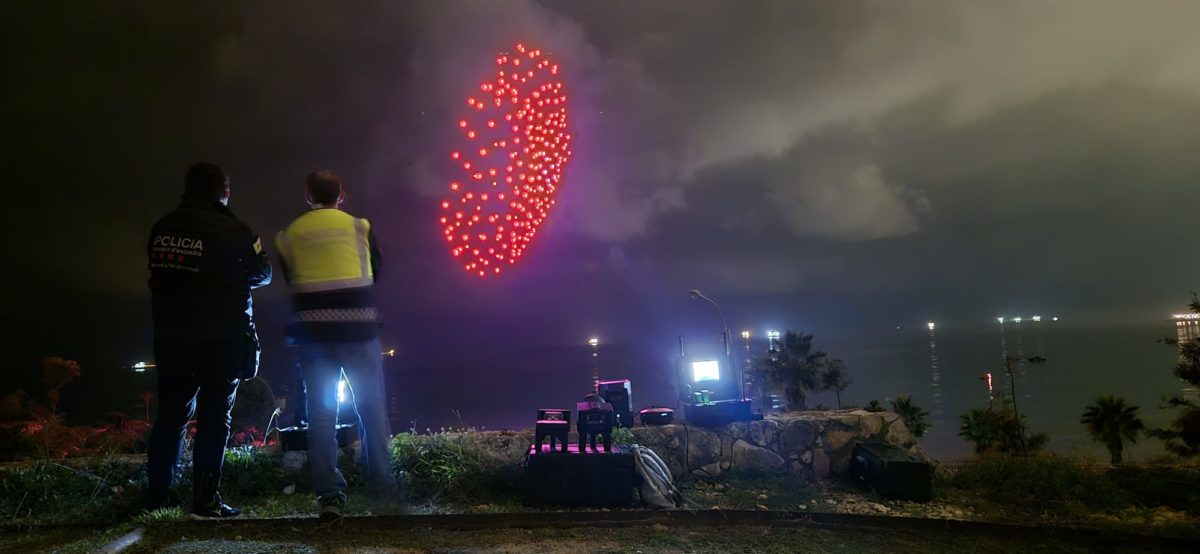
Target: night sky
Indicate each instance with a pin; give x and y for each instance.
(833, 166)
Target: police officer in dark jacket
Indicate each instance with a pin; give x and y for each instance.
(203, 264)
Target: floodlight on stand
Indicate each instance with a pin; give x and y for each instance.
(706, 370)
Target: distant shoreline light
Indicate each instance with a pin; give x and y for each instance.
(1185, 316)
(1018, 319)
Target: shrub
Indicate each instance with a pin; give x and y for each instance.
(456, 465)
(1000, 429)
(251, 473)
(49, 491)
(623, 435)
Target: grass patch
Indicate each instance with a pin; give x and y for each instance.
(458, 467)
(1052, 488)
(161, 515)
(50, 492)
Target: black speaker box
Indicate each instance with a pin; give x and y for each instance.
(620, 394)
(719, 413)
(892, 472)
(657, 416)
(575, 478)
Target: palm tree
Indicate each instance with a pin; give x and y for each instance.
(1111, 422)
(835, 379)
(980, 427)
(913, 415)
(794, 367)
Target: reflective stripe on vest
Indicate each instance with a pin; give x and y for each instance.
(327, 249)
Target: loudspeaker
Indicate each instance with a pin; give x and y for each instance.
(575, 478)
(892, 472)
(657, 416)
(553, 424)
(595, 422)
(620, 395)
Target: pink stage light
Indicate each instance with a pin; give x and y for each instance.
(518, 164)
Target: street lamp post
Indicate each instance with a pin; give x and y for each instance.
(696, 294)
(594, 342)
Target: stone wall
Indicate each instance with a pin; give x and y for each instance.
(812, 444)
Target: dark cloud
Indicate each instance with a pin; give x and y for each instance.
(941, 155)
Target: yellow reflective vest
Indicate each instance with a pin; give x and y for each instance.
(326, 249)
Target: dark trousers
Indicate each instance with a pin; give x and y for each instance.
(194, 379)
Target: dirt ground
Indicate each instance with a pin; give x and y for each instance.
(311, 537)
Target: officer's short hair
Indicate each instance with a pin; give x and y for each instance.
(206, 180)
(324, 187)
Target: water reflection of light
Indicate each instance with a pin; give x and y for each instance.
(1187, 329)
(935, 375)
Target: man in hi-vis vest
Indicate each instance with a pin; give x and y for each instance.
(331, 261)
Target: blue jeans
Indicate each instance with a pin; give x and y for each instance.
(323, 365)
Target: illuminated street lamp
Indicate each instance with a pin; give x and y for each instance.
(141, 367)
(931, 325)
(594, 342)
(696, 294)
(390, 353)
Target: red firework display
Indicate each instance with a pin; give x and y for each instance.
(516, 147)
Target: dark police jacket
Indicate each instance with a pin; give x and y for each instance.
(203, 263)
